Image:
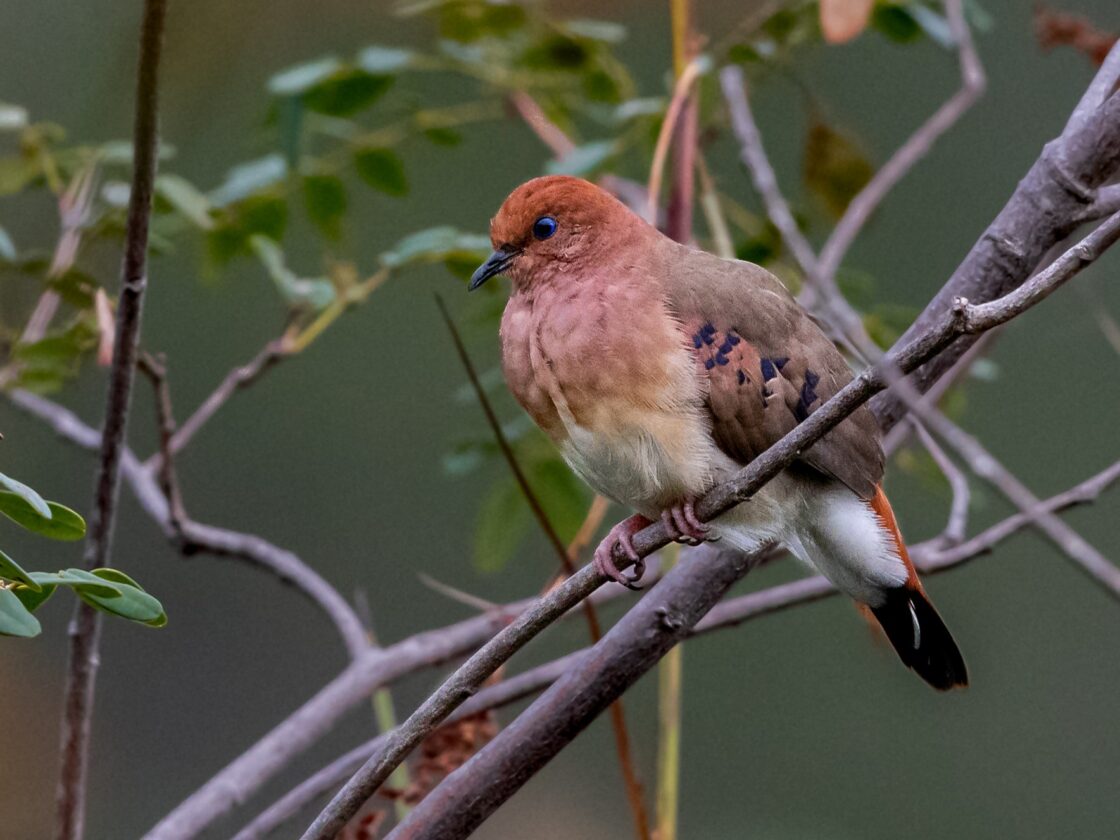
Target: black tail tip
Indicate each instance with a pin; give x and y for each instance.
(921, 639)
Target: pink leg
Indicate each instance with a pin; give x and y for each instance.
(621, 535)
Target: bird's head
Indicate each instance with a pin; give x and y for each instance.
(555, 227)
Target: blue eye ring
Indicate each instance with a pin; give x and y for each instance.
(544, 227)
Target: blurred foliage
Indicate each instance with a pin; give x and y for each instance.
(341, 124)
(22, 592)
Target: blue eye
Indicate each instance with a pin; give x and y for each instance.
(544, 227)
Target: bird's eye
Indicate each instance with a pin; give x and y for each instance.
(544, 227)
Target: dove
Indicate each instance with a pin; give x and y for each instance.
(660, 370)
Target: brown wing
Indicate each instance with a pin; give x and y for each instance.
(768, 366)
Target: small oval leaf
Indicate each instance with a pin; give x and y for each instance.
(15, 618)
(63, 524)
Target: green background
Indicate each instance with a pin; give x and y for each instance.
(796, 725)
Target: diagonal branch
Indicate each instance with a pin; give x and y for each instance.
(567, 562)
(962, 319)
(907, 155)
(730, 613)
(85, 630)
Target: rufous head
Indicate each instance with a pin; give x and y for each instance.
(556, 226)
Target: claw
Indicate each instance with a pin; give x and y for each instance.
(621, 535)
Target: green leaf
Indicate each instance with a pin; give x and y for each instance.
(15, 618)
(383, 60)
(117, 598)
(75, 287)
(7, 247)
(63, 524)
(934, 25)
(119, 152)
(382, 169)
(297, 291)
(110, 591)
(247, 178)
(563, 496)
(16, 173)
(186, 198)
(605, 31)
(443, 136)
(11, 570)
(27, 494)
(12, 117)
(648, 106)
(301, 78)
(33, 598)
(835, 167)
(346, 92)
(264, 215)
(437, 244)
(325, 198)
(503, 521)
(583, 160)
(896, 23)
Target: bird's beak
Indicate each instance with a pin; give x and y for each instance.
(496, 263)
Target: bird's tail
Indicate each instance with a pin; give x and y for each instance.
(911, 623)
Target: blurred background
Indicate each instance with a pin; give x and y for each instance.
(361, 453)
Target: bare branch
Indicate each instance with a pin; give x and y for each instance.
(194, 537)
(85, 627)
(236, 379)
(1046, 206)
(156, 371)
(909, 153)
(546, 130)
(957, 522)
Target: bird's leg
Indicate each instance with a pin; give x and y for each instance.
(621, 534)
(683, 526)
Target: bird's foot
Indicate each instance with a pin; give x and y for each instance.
(621, 535)
(683, 526)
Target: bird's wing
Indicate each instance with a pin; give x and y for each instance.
(767, 366)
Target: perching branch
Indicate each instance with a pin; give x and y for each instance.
(85, 629)
(930, 558)
(962, 319)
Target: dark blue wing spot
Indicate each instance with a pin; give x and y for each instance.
(726, 346)
(808, 396)
(768, 370)
(697, 340)
(721, 359)
(709, 338)
(709, 364)
(781, 363)
(732, 339)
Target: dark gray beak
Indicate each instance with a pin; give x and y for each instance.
(496, 263)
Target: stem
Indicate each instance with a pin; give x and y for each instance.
(85, 628)
(669, 688)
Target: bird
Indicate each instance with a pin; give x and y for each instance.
(660, 370)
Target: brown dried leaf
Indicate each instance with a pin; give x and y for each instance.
(106, 327)
(842, 20)
(1063, 29)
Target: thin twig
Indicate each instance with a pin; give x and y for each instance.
(957, 522)
(156, 371)
(907, 155)
(677, 105)
(85, 627)
(546, 130)
(236, 379)
(195, 537)
(618, 714)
